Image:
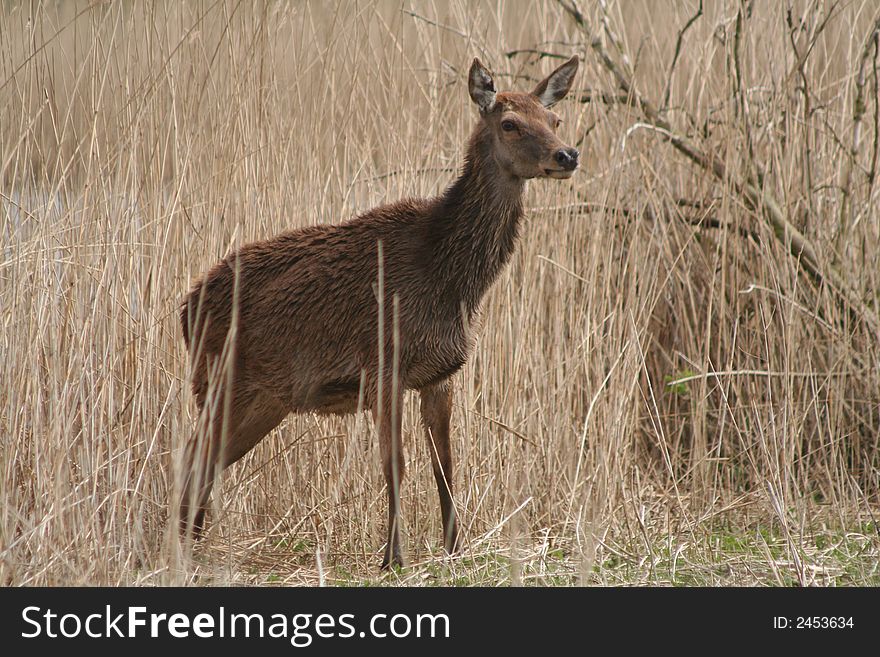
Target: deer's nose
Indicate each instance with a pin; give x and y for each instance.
(567, 158)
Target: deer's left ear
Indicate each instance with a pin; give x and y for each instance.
(553, 88)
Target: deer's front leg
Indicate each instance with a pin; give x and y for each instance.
(436, 411)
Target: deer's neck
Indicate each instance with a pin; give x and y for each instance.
(475, 224)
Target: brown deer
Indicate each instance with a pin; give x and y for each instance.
(293, 323)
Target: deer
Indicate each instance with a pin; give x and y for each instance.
(333, 319)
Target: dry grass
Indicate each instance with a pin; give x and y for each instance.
(140, 142)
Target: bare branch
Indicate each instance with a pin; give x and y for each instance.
(808, 112)
(616, 41)
(593, 96)
(872, 173)
(701, 220)
(757, 197)
(752, 168)
(859, 109)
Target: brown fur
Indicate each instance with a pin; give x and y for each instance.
(307, 324)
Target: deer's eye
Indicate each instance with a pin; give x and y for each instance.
(507, 126)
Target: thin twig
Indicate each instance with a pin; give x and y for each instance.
(397, 172)
(507, 427)
(802, 58)
(764, 373)
(435, 23)
(534, 51)
(693, 19)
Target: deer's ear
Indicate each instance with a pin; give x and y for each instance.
(481, 87)
(553, 88)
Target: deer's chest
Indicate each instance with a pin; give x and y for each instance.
(442, 349)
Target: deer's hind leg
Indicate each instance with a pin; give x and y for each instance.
(387, 417)
(251, 416)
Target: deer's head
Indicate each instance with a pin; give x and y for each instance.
(522, 125)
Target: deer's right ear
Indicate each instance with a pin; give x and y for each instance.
(481, 87)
